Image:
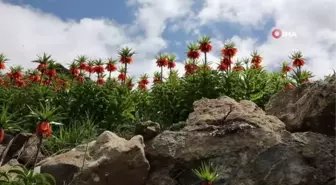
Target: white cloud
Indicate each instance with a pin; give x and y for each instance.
(313, 22)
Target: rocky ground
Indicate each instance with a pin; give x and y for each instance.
(292, 142)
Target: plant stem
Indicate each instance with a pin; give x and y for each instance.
(125, 73)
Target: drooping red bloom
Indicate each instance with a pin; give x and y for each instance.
(223, 67)
(162, 61)
(144, 81)
(256, 66)
(227, 61)
(46, 82)
(82, 66)
(122, 76)
(193, 51)
(100, 81)
(289, 86)
(16, 75)
(229, 52)
(298, 62)
(238, 68)
(51, 73)
(90, 69)
(20, 83)
(44, 129)
(126, 60)
(194, 54)
(205, 44)
(111, 67)
(42, 66)
(2, 134)
(190, 68)
(2, 66)
(74, 71)
(171, 64)
(34, 78)
(205, 47)
(256, 60)
(142, 86)
(80, 79)
(286, 69)
(298, 59)
(99, 69)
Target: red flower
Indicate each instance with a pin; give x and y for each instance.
(122, 76)
(205, 47)
(34, 78)
(90, 69)
(51, 72)
(44, 129)
(74, 71)
(82, 66)
(190, 68)
(289, 86)
(2, 66)
(298, 62)
(142, 86)
(2, 134)
(130, 84)
(205, 44)
(256, 66)
(229, 50)
(100, 81)
(286, 69)
(256, 60)
(223, 67)
(171, 64)
(227, 61)
(238, 68)
(144, 81)
(126, 60)
(42, 66)
(193, 54)
(99, 69)
(80, 79)
(20, 83)
(46, 82)
(111, 67)
(162, 61)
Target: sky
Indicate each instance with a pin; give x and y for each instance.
(99, 28)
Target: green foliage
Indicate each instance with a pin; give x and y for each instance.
(20, 175)
(207, 173)
(68, 137)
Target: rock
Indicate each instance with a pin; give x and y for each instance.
(302, 159)
(9, 165)
(108, 160)
(309, 107)
(147, 129)
(241, 140)
(219, 130)
(23, 148)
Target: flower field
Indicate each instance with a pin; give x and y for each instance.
(36, 99)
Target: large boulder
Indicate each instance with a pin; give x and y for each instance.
(309, 107)
(108, 160)
(241, 140)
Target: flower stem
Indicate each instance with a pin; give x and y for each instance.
(38, 150)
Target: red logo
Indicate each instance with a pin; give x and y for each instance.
(276, 33)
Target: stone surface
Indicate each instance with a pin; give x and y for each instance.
(248, 146)
(309, 107)
(108, 160)
(148, 129)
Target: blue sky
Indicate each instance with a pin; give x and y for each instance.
(119, 11)
(99, 28)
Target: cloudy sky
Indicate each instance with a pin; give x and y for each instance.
(98, 28)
